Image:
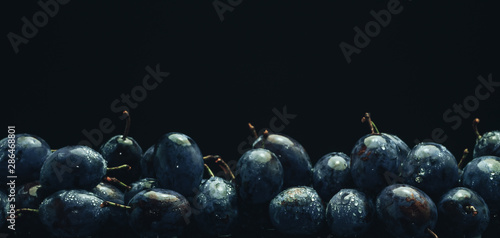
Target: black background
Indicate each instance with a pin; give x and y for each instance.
(264, 55)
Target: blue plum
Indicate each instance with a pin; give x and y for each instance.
(159, 212)
(462, 213)
(293, 157)
(350, 213)
(406, 211)
(120, 150)
(482, 175)
(30, 153)
(376, 160)
(430, 167)
(73, 213)
(331, 173)
(73, 167)
(216, 207)
(487, 144)
(259, 176)
(178, 163)
(297, 211)
(136, 187)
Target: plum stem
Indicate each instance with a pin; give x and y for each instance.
(206, 157)
(461, 163)
(226, 168)
(474, 127)
(265, 134)
(253, 131)
(127, 125)
(112, 204)
(373, 127)
(20, 211)
(432, 233)
(125, 166)
(209, 170)
(117, 182)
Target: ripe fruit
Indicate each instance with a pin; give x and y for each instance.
(179, 163)
(462, 213)
(297, 211)
(376, 159)
(215, 207)
(73, 213)
(296, 163)
(331, 173)
(73, 167)
(159, 212)
(122, 149)
(30, 153)
(482, 175)
(349, 213)
(486, 144)
(430, 167)
(260, 176)
(406, 211)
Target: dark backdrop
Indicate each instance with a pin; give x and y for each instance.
(263, 57)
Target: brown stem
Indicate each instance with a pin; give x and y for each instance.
(461, 163)
(209, 170)
(474, 127)
(127, 125)
(112, 204)
(226, 168)
(117, 182)
(432, 233)
(253, 131)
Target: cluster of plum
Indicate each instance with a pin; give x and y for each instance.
(383, 189)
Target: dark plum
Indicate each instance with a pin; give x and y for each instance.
(296, 163)
(406, 211)
(118, 151)
(331, 173)
(486, 144)
(375, 161)
(159, 212)
(29, 196)
(73, 167)
(147, 163)
(73, 213)
(136, 187)
(297, 211)
(482, 175)
(431, 168)
(30, 153)
(123, 149)
(260, 176)
(350, 213)
(215, 207)
(178, 163)
(462, 213)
